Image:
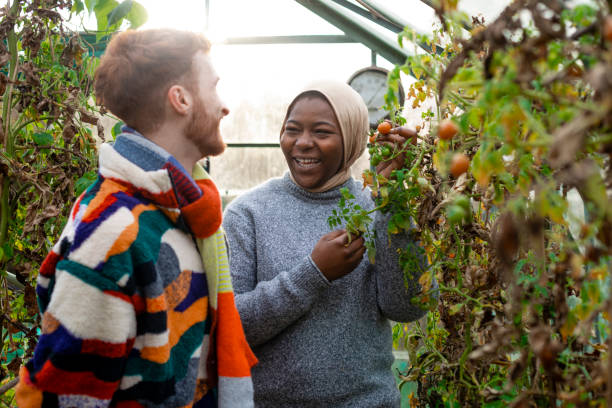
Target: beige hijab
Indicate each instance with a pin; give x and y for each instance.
(352, 115)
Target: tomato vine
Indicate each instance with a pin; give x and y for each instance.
(518, 233)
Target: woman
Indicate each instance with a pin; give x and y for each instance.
(314, 310)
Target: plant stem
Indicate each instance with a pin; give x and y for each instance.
(6, 120)
(458, 100)
(20, 126)
(457, 244)
(468, 297)
(8, 95)
(609, 396)
(8, 385)
(468, 347)
(4, 212)
(419, 159)
(8, 134)
(426, 340)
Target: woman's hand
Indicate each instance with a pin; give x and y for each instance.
(334, 257)
(395, 139)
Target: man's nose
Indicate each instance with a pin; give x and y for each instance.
(224, 109)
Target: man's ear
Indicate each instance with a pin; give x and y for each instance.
(180, 99)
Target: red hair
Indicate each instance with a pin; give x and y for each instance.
(139, 67)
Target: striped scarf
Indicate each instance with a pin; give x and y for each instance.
(234, 356)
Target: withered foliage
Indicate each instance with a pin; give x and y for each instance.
(47, 148)
(522, 319)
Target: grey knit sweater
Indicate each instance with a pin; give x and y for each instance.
(319, 344)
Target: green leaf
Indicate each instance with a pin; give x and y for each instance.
(116, 130)
(91, 5)
(103, 10)
(455, 214)
(138, 15)
(455, 309)
(84, 182)
(118, 13)
(463, 202)
(78, 6)
(7, 250)
(507, 180)
(392, 227)
(43, 138)
(402, 220)
(371, 251)
(467, 74)
(346, 194)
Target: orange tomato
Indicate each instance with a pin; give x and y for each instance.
(448, 129)
(459, 164)
(384, 127)
(607, 28)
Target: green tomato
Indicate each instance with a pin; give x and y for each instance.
(372, 150)
(375, 159)
(455, 214)
(385, 151)
(463, 202)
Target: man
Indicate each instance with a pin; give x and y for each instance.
(137, 303)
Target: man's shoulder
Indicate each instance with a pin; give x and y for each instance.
(110, 198)
(108, 220)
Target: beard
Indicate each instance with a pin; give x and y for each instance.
(203, 131)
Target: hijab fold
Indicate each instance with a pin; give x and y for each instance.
(352, 115)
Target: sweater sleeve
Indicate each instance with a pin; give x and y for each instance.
(88, 328)
(268, 307)
(394, 289)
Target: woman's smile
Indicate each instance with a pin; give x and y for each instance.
(307, 162)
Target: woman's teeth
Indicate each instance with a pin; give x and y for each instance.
(307, 162)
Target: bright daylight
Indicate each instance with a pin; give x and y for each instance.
(306, 203)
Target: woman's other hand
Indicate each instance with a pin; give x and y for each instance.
(334, 257)
(395, 139)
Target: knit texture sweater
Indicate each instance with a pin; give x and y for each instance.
(127, 319)
(319, 344)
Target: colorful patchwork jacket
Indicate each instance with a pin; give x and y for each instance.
(136, 300)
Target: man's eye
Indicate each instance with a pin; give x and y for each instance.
(291, 129)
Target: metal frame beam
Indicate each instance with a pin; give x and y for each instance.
(241, 145)
(339, 17)
(388, 20)
(289, 39)
(367, 14)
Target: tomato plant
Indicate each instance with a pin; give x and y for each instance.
(520, 243)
